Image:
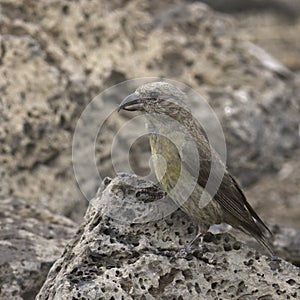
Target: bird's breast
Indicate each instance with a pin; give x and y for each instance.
(176, 181)
(166, 161)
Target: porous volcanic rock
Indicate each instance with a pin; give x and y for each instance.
(109, 259)
(31, 239)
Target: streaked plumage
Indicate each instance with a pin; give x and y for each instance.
(229, 204)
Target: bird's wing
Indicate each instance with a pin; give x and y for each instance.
(224, 187)
(225, 190)
(242, 205)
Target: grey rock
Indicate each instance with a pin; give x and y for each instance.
(108, 258)
(277, 196)
(289, 8)
(56, 56)
(36, 127)
(287, 243)
(31, 239)
(50, 72)
(247, 89)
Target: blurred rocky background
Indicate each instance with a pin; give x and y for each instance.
(56, 56)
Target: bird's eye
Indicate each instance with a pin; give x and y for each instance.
(154, 95)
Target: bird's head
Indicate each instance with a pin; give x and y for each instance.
(155, 97)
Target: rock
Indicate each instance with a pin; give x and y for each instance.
(56, 56)
(277, 196)
(288, 8)
(111, 259)
(274, 33)
(36, 128)
(287, 243)
(31, 240)
(50, 70)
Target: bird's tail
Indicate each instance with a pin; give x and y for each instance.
(255, 226)
(261, 233)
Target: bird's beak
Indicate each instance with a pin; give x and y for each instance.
(131, 103)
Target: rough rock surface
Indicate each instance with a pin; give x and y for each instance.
(31, 239)
(289, 8)
(55, 56)
(108, 259)
(287, 243)
(274, 33)
(271, 24)
(277, 196)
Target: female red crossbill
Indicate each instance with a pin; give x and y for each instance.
(165, 105)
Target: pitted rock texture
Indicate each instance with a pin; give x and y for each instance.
(55, 56)
(108, 259)
(31, 239)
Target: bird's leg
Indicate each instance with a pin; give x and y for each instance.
(197, 237)
(200, 235)
(202, 229)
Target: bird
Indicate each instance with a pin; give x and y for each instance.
(165, 107)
